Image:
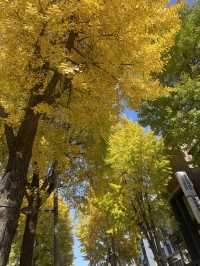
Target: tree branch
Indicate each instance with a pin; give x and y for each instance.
(50, 95)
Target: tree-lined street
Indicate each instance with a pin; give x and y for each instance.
(68, 71)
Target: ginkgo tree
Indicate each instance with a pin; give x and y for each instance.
(106, 234)
(68, 171)
(51, 50)
(141, 168)
(129, 201)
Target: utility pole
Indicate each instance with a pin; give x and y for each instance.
(55, 224)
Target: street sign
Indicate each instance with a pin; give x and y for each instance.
(190, 194)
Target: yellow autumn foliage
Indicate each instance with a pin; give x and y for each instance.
(96, 43)
(109, 52)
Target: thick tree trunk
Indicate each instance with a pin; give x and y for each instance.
(26, 258)
(11, 195)
(13, 182)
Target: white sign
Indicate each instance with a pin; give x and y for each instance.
(190, 193)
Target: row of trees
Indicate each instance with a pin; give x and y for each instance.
(128, 202)
(67, 68)
(131, 203)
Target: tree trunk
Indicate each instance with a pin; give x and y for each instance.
(13, 182)
(26, 257)
(150, 232)
(162, 257)
(11, 195)
(150, 238)
(35, 202)
(27, 248)
(55, 226)
(162, 260)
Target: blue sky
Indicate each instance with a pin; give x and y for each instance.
(79, 261)
(174, 1)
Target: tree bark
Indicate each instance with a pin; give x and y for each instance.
(35, 202)
(11, 196)
(26, 257)
(27, 248)
(12, 183)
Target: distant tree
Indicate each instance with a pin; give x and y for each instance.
(128, 202)
(184, 56)
(107, 236)
(141, 167)
(176, 115)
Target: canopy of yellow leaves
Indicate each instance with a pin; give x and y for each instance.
(110, 51)
(99, 44)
